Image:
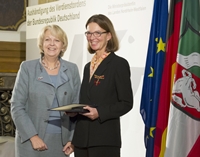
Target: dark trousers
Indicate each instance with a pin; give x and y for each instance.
(105, 151)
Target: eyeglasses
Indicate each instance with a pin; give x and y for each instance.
(95, 34)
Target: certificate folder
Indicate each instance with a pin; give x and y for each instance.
(70, 108)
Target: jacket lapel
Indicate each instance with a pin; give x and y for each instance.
(63, 76)
(43, 76)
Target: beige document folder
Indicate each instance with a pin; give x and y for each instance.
(70, 108)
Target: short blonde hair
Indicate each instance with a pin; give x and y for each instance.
(55, 31)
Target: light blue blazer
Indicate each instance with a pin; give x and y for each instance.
(33, 95)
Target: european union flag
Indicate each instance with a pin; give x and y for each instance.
(153, 72)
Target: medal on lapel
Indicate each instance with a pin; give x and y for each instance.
(98, 78)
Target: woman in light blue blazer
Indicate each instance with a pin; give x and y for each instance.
(41, 84)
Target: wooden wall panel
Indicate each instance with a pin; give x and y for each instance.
(11, 56)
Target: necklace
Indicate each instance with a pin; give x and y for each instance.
(55, 67)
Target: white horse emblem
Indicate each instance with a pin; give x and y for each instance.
(186, 86)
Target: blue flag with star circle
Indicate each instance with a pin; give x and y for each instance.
(153, 73)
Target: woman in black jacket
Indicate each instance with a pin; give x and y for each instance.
(106, 89)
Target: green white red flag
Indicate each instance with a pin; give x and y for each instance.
(184, 118)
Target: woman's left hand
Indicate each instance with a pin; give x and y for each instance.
(92, 114)
(68, 148)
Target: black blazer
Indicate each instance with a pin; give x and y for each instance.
(110, 91)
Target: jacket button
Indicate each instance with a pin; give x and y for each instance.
(65, 93)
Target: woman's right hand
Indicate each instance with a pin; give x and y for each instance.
(37, 143)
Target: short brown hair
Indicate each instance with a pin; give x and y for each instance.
(105, 23)
(55, 31)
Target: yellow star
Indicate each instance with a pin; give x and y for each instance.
(152, 72)
(151, 131)
(160, 45)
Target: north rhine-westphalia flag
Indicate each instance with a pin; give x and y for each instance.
(153, 72)
(184, 118)
(173, 30)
